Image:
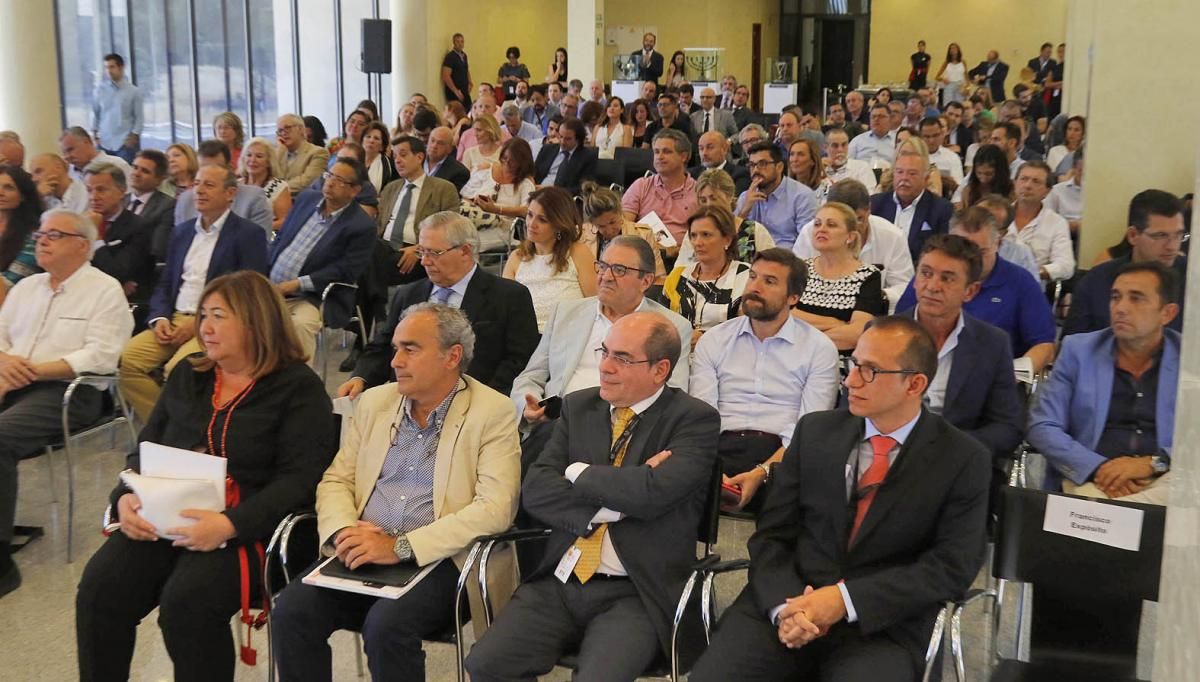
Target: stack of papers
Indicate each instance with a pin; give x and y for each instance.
(173, 479)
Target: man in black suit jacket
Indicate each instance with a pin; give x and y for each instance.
(149, 169)
(991, 74)
(650, 61)
(624, 518)
(125, 254)
(877, 519)
(440, 161)
(568, 163)
(713, 150)
(1042, 65)
(919, 214)
(500, 310)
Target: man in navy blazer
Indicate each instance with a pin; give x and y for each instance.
(325, 238)
(214, 243)
(570, 161)
(1105, 418)
(918, 213)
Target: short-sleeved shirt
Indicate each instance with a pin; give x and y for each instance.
(840, 298)
(673, 206)
(459, 70)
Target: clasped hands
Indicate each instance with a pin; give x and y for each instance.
(365, 543)
(810, 615)
(169, 334)
(15, 372)
(1121, 476)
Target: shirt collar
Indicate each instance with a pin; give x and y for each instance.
(789, 332)
(900, 435)
(642, 405)
(459, 287)
(438, 416)
(334, 215)
(913, 205)
(952, 340)
(659, 182)
(63, 285)
(144, 198)
(600, 315)
(216, 226)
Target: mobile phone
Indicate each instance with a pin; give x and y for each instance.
(552, 405)
(730, 494)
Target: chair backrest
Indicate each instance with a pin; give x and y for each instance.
(635, 161)
(609, 172)
(710, 517)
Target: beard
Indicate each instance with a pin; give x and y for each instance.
(758, 309)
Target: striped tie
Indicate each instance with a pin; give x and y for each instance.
(869, 484)
(589, 547)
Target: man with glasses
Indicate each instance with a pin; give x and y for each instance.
(403, 205)
(669, 116)
(774, 200)
(54, 326)
(325, 238)
(750, 136)
(839, 166)
(297, 160)
(1155, 233)
(622, 484)
(500, 310)
(708, 118)
(877, 146)
(876, 518)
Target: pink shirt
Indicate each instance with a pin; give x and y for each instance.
(673, 206)
(467, 140)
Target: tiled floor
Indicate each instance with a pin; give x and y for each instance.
(37, 621)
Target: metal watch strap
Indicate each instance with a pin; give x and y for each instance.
(402, 548)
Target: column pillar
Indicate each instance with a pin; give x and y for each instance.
(31, 104)
(585, 40)
(411, 67)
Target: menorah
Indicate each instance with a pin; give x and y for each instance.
(704, 64)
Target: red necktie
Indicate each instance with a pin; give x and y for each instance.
(869, 484)
(104, 228)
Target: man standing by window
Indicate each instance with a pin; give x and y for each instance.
(117, 111)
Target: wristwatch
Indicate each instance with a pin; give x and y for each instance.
(402, 548)
(1160, 463)
(766, 469)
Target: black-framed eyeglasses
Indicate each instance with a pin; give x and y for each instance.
(55, 235)
(868, 373)
(617, 269)
(434, 253)
(603, 354)
(755, 165)
(330, 175)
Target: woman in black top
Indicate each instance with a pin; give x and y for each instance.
(843, 294)
(273, 422)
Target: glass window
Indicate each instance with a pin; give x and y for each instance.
(273, 81)
(318, 70)
(179, 55)
(78, 27)
(354, 81)
(221, 59)
(150, 71)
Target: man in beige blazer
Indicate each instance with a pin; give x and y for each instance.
(427, 465)
(412, 197)
(297, 160)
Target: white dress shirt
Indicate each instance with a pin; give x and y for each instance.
(904, 215)
(1066, 199)
(885, 248)
(935, 396)
(854, 169)
(1049, 237)
(85, 321)
(765, 385)
(947, 163)
(195, 265)
(587, 370)
(75, 198)
(410, 222)
(870, 148)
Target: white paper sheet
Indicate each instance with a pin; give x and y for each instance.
(174, 479)
(165, 461)
(661, 233)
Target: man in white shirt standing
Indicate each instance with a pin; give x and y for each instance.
(838, 164)
(69, 320)
(1039, 228)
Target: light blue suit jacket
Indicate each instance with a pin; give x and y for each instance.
(1072, 406)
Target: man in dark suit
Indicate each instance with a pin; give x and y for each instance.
(125, 254)
(500, 310)
(568, 163)
(713, 150)
(440, 161)
(1042, 65)
(650, 61)
(325, 238)
(155, 208)
(876, 519)
(919, 214)
(403, 204)
(743, 115)
(622, 483)
(669, 116)
(216, 242)
(991, 74)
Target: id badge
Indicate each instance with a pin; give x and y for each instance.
(566, 566)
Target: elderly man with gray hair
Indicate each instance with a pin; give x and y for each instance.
(69, 320)
(297, 160)
(430, 463)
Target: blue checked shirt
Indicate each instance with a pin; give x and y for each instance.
(289, 263)
(117, 111)
(403, 497)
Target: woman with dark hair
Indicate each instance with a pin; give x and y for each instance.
(614, 130)
(378, 156)
(1073, 135)
(352, 129)
(314, 131)
(456, 119)
(511, 72)
(640, 116)
(590, 115)
(251, 400)
(494, 196)
(20, 209)
(558, 68)
(369, 108)
(989, 175)
(882, 96)
(952, 75)
(551, 261)
(676, 70)
(709, 290)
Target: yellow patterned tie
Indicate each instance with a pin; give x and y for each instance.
(589, 547)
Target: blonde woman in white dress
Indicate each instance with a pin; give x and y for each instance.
(952, 76)
(614, 131)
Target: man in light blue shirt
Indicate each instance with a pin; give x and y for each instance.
(776, 201)
(877, 145)
(117, 111)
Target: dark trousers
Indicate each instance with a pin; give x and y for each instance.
(31, 419)
(741, 451)
(529, 554)
(746, 647)
(392, 629)
(604, 621)
(197, 593)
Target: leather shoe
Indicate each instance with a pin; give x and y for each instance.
(11, 580)
(350, 361)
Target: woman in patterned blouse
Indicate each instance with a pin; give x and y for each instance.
(843, 294)
(708, 291)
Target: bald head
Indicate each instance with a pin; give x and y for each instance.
(713, 148)
(50, 173)
(441, 141)
(708, 98)
(638, 355)
(12, 152)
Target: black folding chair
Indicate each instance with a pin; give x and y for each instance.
(339, 310)
(635, 161)
(609, 172)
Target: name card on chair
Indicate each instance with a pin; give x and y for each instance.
(1107, 524)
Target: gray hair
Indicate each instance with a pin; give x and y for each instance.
(110, 169)
(851, 193)
(81, 223)
(79, 132)
(290, 119)
(682, 144)
(459, 229)
(510, 109)
(644, 252)
(10, 136)
(753, 128)
(454, 329)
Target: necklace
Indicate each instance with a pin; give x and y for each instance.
(232, 404)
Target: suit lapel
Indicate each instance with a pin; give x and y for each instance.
(909, 464)
(1101, 397)
(475, 294)
(647, 429)
(599, 428)
(324, 244)
(447, 444)
(842, 444)
(960, 369)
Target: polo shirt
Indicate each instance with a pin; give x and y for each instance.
(673, 206)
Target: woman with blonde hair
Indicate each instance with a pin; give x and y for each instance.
(709, 290)
(252, 401)
(843, 294)
(258, 169)
(715, 187)
(182, 166)
(604, 220)
(228, 128)
(551, 262)
(487, 152)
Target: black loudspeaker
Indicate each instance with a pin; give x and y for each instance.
(376, 46)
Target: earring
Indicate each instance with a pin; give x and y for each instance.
(557, 235)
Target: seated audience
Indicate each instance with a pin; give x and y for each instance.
(566, 163)
(352, 130)
(670, 193)
(987, 176)
(603, 220)
(539, 112)
(516, 127)
(1155, 234)
(500, 310)
(812, 604)
(146, 201)
(948, 163)
(669, 116)
(708, 118)
(591, 114)
(228, 128)
(751, 135)
(1009, 297)
(713, 152)
(182, 166)
(375, 503)
(55, 185)
(297, 160)
(122, 246)
(257, 170)
(918, 213)
(959, 131)
(838, 164)
(249, 399)
(613, 131)
(743, 115)
(1105, 418)
(805, 167)
(708, 291)
(842, 294)
(649, 93)
(1011, 249)
(370, 108)
(876, 146)
(249, 202)
(486, 150)
(715, 188)
(314, 131)
(12, 152)
(1057, 157)
(367, 197)
(326, 238)
(216, 242)
(882, 243)
(762, 372)
(439, 162)
(19, 211)
(778, 202)
(456, 119)
(484, 107)
(624, 534)
(1066, 197)
(403, 205)
(55, 325)
(499, 194)
(1007, 136)
(1045, 232)
(79, 150)
(378, 157)
(551, 262)
(640, 118)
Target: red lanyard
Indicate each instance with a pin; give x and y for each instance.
(217, 408)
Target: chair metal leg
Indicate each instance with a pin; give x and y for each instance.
(50, 474)
(684, 598)
(67, 451)
(956, 645)
(708, 608)
(319, 354)
(358, 654)
(935, 641)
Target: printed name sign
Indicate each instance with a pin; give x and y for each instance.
(1107, 524)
